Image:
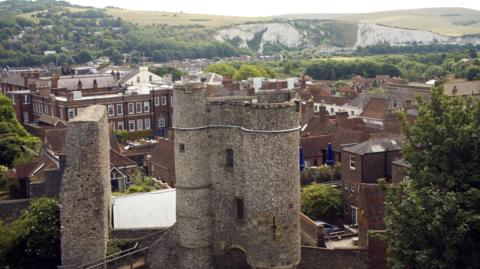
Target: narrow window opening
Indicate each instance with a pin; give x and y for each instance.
(181, 147)
(229, 157)
(240, 213)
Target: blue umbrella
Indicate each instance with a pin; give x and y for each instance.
(330, 157)
(302, 161)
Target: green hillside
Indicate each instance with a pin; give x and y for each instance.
(171, 18)
(448, 21)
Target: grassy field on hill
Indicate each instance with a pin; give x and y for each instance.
(448, 21)
(171, 18)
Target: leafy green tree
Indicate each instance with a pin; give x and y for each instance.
(83, 56)
(247, 71)
(12, 134)
(320, 201)
(433, 220)
(472, 53)
(160, 71)
(473, 73)
(221, 69)
(35, 235)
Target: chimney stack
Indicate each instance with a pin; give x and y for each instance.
(341, 118)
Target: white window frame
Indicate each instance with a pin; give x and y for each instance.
(354, 219)
(12, 96)
(111, 110)
(138, 107)
(71, 113)
(139, 124)
(62, 113)
(352, 167)
(131, 108)
(171, 100)
(26, 99)
(147, 124)
(156, 101)
(131, 125)
(164, 100)
(120, 109)
(146, 106)
(120, 125)
(161, 122)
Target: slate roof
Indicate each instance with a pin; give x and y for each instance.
(374, 145)
(145, 210)
(103, 81)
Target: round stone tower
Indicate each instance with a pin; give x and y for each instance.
(194, 218)
(272, 189)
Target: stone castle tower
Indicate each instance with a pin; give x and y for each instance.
(237, 176)
(85, 190)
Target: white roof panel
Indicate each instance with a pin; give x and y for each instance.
(145, 210)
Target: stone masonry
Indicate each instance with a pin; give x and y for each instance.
(237, 173)
(85, 189)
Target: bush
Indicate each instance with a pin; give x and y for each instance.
(321, 201)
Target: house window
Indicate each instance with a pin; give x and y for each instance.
(354, 216)
(26, 99)
(161, 122)
(239, 206)
(229, 158)
(111, 111)
(131, 125)
(352, 188)
(25, 117)
(146, 107)
(71, 113)
(164, 100)
(119, 109)
(147, 123)
(332, 110)
(13, 98)
(120, 125)
(139, 107)
(131, 108)
(181, 147)
(139, 124)
(352, 163)
(157, 101)
(45, 109)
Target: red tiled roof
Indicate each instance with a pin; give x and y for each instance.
(343, 136)
(163, 154)
(317, 127)
(54, 140)
(375, 108)
(312, 145)
(119, 161)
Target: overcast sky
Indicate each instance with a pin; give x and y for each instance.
(276, 7)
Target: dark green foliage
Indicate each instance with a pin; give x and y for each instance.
(336, 70)
(433, 220)
(34, 236)
(321, 201)
(12, 135)
(79, 37)
(161, 71)
(473, 73)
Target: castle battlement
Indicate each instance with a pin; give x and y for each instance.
(237, 175)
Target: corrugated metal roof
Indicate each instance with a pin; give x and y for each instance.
(144, 210)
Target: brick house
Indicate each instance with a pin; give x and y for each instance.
(22, 105)
(161, 162)
(366, 162)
